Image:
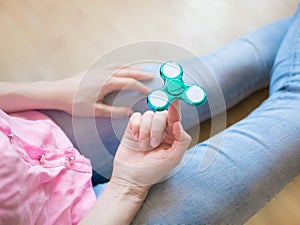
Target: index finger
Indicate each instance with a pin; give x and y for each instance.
(134, 73)
(122, 83)
(174, 112)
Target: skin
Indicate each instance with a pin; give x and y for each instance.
(85, 90)
(140, 163)
(152, 145)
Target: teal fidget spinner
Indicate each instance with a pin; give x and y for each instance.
(174, 89)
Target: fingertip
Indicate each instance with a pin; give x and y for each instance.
(148, 75)
(142, 74)
(154, 142)
(134, 122)
(135, 118)
(147, 90)
(139, 74)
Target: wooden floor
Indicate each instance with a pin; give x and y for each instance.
(52, 39)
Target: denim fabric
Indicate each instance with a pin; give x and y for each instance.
(230, 74)
(255, 158)
(258, 155)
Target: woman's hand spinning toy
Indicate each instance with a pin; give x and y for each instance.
(174, 89)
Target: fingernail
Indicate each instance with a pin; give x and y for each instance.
(154, 142)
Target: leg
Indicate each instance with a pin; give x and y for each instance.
(257, 157)
(243, 73)
(240, 68)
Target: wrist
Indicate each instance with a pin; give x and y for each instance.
(59, 97)
(133, 193)
(46, 94)
(118, 204)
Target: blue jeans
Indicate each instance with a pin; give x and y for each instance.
(255, 158)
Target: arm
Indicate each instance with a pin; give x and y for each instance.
(116, 205)
(140, 162)
(84, 91)
(23, 96)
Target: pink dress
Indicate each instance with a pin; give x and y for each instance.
(43, 179)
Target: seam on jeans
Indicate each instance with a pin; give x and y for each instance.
(250, 136)
(262, 80)
(292, 67)
(258, 53)
(207, 145)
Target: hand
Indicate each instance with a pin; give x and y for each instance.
(153, 144)
(83, 94)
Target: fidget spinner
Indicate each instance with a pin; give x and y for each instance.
(174, 88)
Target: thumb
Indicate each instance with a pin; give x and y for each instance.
(104, 110)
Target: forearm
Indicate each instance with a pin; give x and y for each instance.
(27, 96)
(116, 205)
